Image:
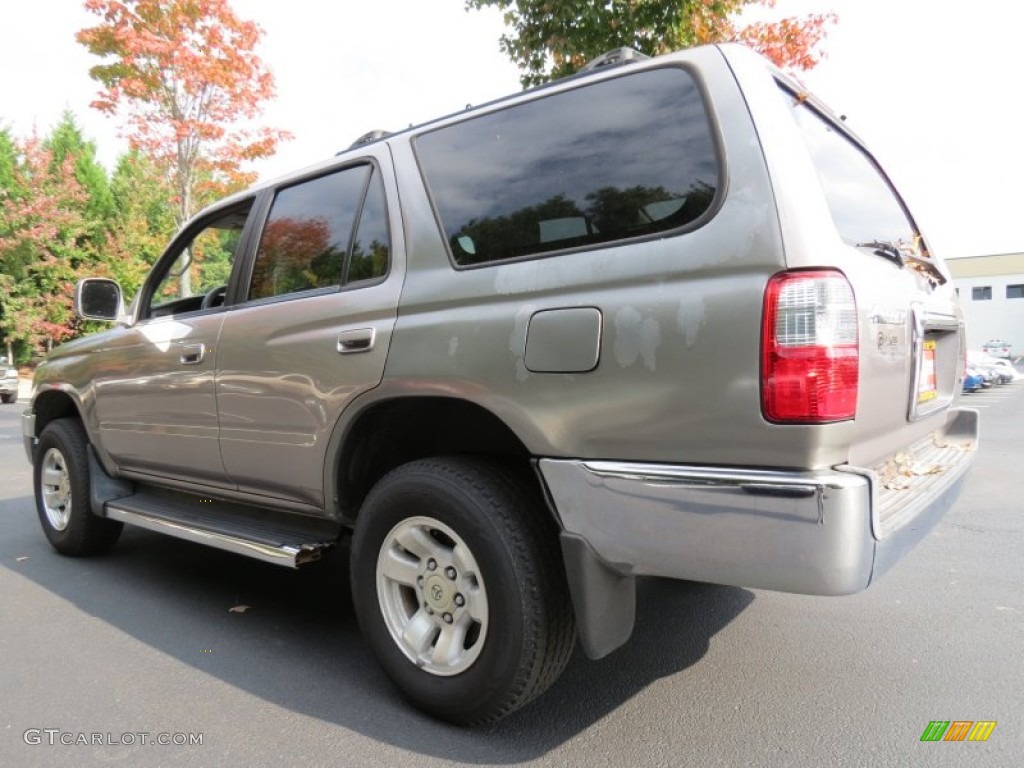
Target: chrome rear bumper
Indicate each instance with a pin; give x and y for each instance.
(805, 532)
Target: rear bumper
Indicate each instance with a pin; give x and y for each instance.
(805, 532)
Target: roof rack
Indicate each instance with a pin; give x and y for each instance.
(614, 58)
(366, 138)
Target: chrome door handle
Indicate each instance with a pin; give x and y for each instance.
(192, 354)
(357, 340)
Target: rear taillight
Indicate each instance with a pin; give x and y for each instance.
(809, 353)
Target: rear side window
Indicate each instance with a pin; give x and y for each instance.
(370, 246)
(326, 232)
(623, 158)
(864, 206)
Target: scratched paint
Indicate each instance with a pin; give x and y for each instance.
(636, 338)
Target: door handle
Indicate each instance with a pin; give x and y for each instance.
(192, 354)
(357, 340)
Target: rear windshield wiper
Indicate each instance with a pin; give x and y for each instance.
(903, 256)
(885, 249)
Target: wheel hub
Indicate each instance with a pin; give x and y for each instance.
(432, 596)
(438, 593)
(56, 489)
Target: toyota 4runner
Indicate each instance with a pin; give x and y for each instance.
(668, 317)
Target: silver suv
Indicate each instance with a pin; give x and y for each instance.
(8, 381)
(669, 317)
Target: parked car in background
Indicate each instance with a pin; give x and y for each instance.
(996, 370)
(973, 380)
(9, 382)
(997, 348)
(1009, 368)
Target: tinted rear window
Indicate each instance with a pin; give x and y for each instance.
(864, 206)
(619, 159)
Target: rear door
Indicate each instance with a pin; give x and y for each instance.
(311, 326)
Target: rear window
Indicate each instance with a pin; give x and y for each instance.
(619, 159)
(864, 206)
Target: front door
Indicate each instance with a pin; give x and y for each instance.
(155, 401)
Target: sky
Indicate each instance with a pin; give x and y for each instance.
(933, 88)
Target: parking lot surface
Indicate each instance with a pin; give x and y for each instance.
(264, 666)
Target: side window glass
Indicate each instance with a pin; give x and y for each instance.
(307, 234)
(371, 248)
(198, 277)
(623, 158)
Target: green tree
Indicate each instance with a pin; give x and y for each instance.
(143, 220)
(66, 140)
(43, 248)
(8, 163)
(549, 39)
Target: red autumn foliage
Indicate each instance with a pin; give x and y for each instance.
(185, 75)
(789, 42)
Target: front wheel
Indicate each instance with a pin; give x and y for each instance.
(8, 397)
(459, 587)
(61, 479)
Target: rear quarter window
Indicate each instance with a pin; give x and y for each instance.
(619, 159)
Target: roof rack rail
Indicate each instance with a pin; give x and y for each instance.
(366, 138)
(614, 58)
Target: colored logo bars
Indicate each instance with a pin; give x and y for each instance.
(958, 730)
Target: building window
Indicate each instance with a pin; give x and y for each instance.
(1015, 291)
(981, 293)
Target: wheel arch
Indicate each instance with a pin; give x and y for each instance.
(394, 431)
(53, 404)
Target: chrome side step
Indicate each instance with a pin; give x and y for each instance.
(280, 547)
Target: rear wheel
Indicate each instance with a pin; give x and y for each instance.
(8, 397)
(61, 479)
(459, 587)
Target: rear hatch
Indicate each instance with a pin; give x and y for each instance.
(911, 326)
(843, 221)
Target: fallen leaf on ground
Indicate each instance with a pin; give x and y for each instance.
(238, 609)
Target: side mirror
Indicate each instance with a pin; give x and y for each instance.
(97, 298)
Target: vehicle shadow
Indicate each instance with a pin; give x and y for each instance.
(298, 645)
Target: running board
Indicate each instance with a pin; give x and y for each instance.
(245, 531)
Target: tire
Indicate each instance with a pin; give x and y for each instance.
(61, 479)
(8, 398)
(503, 615)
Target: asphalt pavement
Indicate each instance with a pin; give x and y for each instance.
(163, 640)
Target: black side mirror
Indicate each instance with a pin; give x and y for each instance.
(97, 298)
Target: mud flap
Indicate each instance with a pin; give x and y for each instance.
(603, 598)
(103, 487)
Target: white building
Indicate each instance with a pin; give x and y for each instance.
(991, 292)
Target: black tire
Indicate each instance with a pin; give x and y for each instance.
(499, 515)
(8, 398)
(62, 497)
